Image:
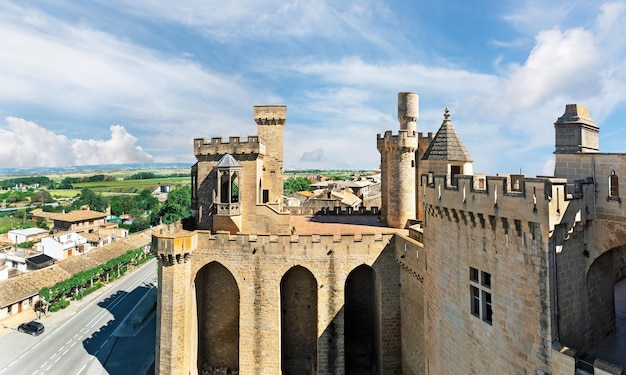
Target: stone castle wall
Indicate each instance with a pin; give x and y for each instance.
(258, 264)
(506, 235)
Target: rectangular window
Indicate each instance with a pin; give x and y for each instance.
(473, 274)
(475, 301)
(480, 295)
(486, 279)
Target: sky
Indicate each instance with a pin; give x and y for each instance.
(126, 81)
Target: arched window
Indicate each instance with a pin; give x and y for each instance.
(613, 185)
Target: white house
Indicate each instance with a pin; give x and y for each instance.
(63, 245)
(23, 235)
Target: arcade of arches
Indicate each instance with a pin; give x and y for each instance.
(218, 314)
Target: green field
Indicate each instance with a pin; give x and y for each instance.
(8, 223)
(131, 186)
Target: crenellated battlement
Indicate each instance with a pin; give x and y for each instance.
(282, 242)
(499, 196)
(429, 137)
(233, 146)
(403, 140)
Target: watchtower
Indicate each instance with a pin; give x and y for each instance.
(237, 184)
(397, 164)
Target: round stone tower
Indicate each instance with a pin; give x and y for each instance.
(397, 163)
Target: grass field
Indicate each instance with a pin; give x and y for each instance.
(8, 223)
(131, 186)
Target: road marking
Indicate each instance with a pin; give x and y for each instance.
(104, 343)
(45, 363)
(68, 341)
(49, 367)
(81, 369)
(74, 343)
(135, 279)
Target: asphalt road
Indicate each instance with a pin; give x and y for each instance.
(109, 332)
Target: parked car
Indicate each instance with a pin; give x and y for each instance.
(34, 328)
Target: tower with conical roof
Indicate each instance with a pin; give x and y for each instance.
(397, 164)
(447, 154)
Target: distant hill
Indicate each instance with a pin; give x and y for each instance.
(90, 169)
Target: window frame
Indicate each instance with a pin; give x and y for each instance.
(481, 300)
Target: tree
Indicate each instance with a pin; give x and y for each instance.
(42, 196)
(146, 201)
(177, 206)
(94, 200)
(295, 184)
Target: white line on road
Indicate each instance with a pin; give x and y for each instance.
(139, 274)
(104, 343)
(81, 369)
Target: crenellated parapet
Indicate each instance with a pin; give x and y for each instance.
(173, 245)
(483, 200)
(404, 140)
(425, 138)
(216, 147)
(272, 244)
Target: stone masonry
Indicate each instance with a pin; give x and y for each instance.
(498, 274)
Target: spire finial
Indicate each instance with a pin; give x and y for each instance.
(446, 114)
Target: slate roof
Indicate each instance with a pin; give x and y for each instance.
(28, 284)
(447, 145)
(228, 161)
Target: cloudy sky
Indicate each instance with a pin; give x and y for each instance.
(121, 81)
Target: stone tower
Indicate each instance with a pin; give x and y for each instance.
(237, 184)
(270, 120)
(397, 164)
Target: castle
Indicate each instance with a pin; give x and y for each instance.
(466, 273)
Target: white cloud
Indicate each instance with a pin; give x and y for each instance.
(561, 63)
(232, 22)
(27, 144)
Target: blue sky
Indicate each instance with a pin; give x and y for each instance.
(122, 81)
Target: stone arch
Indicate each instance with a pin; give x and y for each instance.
(604, 272)
(298, 320)
(362, 322)
(217, 301)
(607, 235)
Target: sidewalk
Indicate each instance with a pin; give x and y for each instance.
(52, 320)
(10, 323)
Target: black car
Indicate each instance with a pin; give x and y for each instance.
(34, 328)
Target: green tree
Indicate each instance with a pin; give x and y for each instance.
(177, 206)
(43, 196)
(94, 200)
(138, 225)
(146, 201)
(295, 184)
(122, 205)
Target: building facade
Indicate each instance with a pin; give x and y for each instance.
(495, 274)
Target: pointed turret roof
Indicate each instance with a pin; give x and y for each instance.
(447, 145)
(228, 161)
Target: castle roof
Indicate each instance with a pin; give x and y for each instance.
(228, 161)
(447, 145)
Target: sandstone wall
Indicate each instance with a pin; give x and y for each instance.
(258, 264)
